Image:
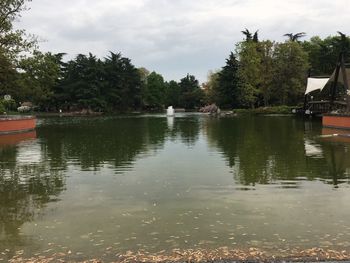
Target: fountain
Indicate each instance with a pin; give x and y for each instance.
(170, 111)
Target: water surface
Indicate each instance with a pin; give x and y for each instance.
(96, 187)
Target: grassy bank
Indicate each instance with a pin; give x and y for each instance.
(266, 110)
(262, 110)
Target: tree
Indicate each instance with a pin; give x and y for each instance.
(250, 72)
(154, 93)
(211, 87)
(343, 43)
(8, 76)
(255, 37)
(144, 73)
(112, 84)
(172, 94)
(122, 89)
(295, 37)
(191, 94)
(290, 72)
(266, 49)
(249, 36)
(82, 84)
(39, 76)
(13, 41)
(228, 91)
(324, 53)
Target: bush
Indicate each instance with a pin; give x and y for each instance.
(2, 108)
(24, 109)
(10, 105)
(267, 110)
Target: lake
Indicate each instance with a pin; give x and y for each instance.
(83, 188)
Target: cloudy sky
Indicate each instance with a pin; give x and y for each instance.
(175, 37)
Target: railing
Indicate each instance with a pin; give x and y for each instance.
(324, 106)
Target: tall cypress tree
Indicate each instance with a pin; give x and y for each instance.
(228, 93)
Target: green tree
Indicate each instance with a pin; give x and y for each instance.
(295, 37)
(266, 49)
(122, 89)
(191, 94)
(211, 87)
(13, 41)
(324, 53)
(290, 72)
(154, 92)
(229, 90)
(250, 72)
(8, 76)
(82, 85)
(172, 94)
(112, 84)
(249, 36)
(40, 75)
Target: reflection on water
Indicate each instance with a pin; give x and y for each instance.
(151, 182)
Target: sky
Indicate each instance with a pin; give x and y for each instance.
(175, 37)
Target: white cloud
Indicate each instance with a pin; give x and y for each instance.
(175, 37)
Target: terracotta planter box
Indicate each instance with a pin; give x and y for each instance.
(16, 124)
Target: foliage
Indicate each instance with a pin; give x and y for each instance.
(290, 72)
(9, 105)
(265, 73)
(191, 95)
(257, 73)
(229, 89)
(2, 107)
(295, 37)
(82, 85)
(172, 94)
(39, 76)
(112, 84)
(323, 53)
(249, 36)
(211, 87)
(267, 110)
(8, 75)
(250, 72)
(154, 92)
(122, 83)
(12, 41)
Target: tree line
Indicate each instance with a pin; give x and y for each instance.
(256, 73)
(267, 73)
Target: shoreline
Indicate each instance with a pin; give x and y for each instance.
(219, 255)
(285, 110)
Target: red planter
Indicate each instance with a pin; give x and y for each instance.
(17, 124)
(336, 121)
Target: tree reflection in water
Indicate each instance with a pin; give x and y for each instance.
(266, 149)
(260, 150)
(25, 188)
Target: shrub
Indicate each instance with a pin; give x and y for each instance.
(9, 105)
(24, 109)
(267, 110)
(2, 108)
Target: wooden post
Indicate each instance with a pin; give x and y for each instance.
(346, 84)
(305, 102)
(305, 95)
(336, 77)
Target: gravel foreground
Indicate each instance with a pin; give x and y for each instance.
(220, 255)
